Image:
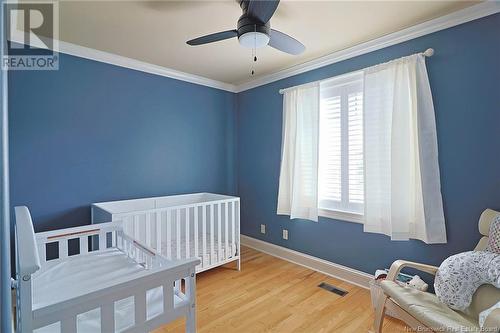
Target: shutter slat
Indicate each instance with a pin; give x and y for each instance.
(355, 137)
(330, 149)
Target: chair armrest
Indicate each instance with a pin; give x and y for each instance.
(492, 322)
(398, 265)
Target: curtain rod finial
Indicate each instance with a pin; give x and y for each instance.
(429, 52)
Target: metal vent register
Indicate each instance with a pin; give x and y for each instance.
(333, 289)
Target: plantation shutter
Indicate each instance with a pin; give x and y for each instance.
(340, 173)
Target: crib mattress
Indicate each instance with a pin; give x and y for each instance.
(206, 260)
(82, 274)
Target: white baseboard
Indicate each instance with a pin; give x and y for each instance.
(337, 271)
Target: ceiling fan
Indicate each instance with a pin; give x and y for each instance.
(254, 30)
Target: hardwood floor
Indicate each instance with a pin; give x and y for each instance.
(273, 295)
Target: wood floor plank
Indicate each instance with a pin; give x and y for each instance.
(273, 295)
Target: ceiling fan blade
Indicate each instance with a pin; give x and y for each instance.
(285, 43)
(262, 10)
(213, 37)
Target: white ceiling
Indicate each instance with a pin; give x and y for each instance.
(156, 32)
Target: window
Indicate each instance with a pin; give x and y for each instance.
(340, 174)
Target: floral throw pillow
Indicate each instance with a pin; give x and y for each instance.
(494, 237)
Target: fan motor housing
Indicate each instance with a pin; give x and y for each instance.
(249, 24)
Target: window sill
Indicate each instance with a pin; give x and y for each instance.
(339, 215)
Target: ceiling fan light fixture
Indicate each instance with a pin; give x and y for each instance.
(253, 39)
(253, 29)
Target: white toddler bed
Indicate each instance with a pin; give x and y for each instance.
(202, 225)
(122, 286)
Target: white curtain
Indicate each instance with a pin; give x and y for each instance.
(402, 185)
(298, 185)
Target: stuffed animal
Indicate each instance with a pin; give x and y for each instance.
(380, 274)
(417, 283)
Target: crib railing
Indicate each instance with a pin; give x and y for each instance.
(176, 280)
(177, 301)
(90, 238)
(209, 231)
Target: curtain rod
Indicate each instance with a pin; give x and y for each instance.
(427, 53)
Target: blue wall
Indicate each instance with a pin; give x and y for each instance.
(93, 132)
(465, 80)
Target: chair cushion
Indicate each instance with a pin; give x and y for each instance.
(485, 220)
(485, 297)
(427, 308)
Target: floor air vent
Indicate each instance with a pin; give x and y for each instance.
(333, 289)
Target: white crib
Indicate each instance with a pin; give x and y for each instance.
(121, 286)
(203, 225)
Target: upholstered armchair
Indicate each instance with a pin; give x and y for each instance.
(423, 312)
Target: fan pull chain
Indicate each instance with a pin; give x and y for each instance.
(254, 49)
(254, 57)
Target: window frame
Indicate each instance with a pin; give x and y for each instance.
(340, 214)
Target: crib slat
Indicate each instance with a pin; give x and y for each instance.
(178, 232)
(195, 217)
(107, 317)
(226, 232)
(158, 232)
(177, 287)
(131, 249)
(68, 324)
(140, 307)
(84, 244)
(204, 234)
(102, 241)
(187, 234)
(169, 234)
(63, 248)
(140, 256)
(212, 252)
(122, 241)
(113, 239)
(41, 252)
(168, 297)
(119, 243)
(219, 232)
(135, 234)
(128, 225)
(233, 210)
(238, 242)
(119, 239)
(148, 229)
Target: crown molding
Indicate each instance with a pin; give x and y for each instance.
(121, 61)
(462, 16)
(114, 59)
